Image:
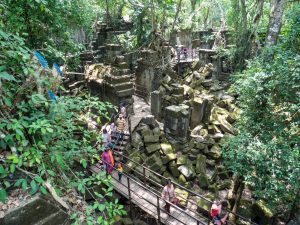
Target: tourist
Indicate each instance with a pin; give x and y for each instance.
(216, 213)
(106, 160)
(113, 129)
(120, 171)
(123, 110)
(105, 137)
(168, 194)
(111, 157)
(185, 53)
(120, 127)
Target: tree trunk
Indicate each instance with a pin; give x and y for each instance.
(177, 12)
(275, 21)
(237, 193)
(205, 23)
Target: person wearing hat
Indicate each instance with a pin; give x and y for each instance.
(215, 213)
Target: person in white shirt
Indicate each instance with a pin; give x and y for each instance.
(123, 111)
(105, 137)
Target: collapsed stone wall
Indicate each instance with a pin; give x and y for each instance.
(111, 82)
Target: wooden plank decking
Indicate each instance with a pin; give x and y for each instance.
(147, 201)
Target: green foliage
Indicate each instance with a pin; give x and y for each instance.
(50, 26)
(266, 152)
(46, 142)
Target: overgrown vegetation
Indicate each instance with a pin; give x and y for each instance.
(266, 151)
(46, 145)
(42, 141)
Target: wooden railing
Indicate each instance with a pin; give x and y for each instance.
(146, 181)
(130, 192)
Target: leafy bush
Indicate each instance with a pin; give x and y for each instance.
(46, 145)
(266, 151)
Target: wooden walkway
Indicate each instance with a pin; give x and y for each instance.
(150, 202)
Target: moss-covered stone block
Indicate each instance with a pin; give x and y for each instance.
(181, 160)
(169, 157)
(166, 148)
(263, 211)
(173, 169)
(202, 181)
(201, 164)
(151, 148)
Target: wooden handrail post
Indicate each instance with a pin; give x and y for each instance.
(158, 210)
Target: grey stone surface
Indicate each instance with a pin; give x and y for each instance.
(177, 121)
(184, 170)
(156, 104)
(36, 211)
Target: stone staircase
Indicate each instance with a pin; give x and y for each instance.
(120, 145)
(102, 38)
(118, 84)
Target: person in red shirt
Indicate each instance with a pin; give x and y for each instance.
(215, 213)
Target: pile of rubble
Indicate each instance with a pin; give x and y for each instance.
(111, 82)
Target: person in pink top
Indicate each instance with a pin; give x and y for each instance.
(216, 213)
(107, 161)
(169, 196)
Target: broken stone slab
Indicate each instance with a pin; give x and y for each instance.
(263, 211)
(136, 140)
(157, 131)
(213, 129)
(182, 196)
(217, 137)
(225, 126)
(201, 164)
(173, 169)
(114, 47)
(156, 104)
(169, 157)
(177, 89)
(166, 79)
(182, 180)
(226, 184)
(166, 148)
(214, 152)
(187, 172)
(202, 181)
(146, 131)
(155, 163)
(196, 131)
(192, 157)
(177, 121)
(198, 107)
(207, 83)
(181, 160)
(151, 148)
(151, 138)
(150, 120)
(189, 79)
